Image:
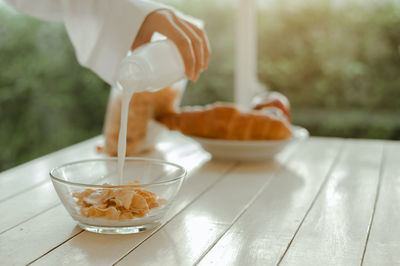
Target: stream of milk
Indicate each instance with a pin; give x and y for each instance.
(126, 99)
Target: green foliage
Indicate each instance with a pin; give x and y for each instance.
(47, 101)
(339, 66)
(321, 56)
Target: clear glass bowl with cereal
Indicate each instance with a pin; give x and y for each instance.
(91, 192)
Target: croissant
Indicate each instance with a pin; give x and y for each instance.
(221, 121)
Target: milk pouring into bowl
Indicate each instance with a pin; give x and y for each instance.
(150, 67)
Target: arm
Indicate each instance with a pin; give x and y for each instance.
(103, 31)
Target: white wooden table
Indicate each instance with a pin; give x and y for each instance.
(324, 201)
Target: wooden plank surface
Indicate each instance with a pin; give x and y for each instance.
(29, 188)
(315, 205)
(262, 234)
(37, 236)
(88, 248)
(189, 235)
(335, 230)
(94, 249)
(36, 229)
(383, 247)
(41, 196)
(27, 205)
(42, 199)
(36, 172)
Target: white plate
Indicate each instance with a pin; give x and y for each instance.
(256, 150)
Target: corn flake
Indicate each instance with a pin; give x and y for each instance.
(117, 204)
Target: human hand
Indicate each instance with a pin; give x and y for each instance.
(190, 40)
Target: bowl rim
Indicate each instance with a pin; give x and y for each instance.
(181, 176)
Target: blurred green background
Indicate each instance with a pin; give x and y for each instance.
(337, 61)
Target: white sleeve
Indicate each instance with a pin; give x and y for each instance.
(101, 31)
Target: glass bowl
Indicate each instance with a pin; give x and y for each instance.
(91, 193)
